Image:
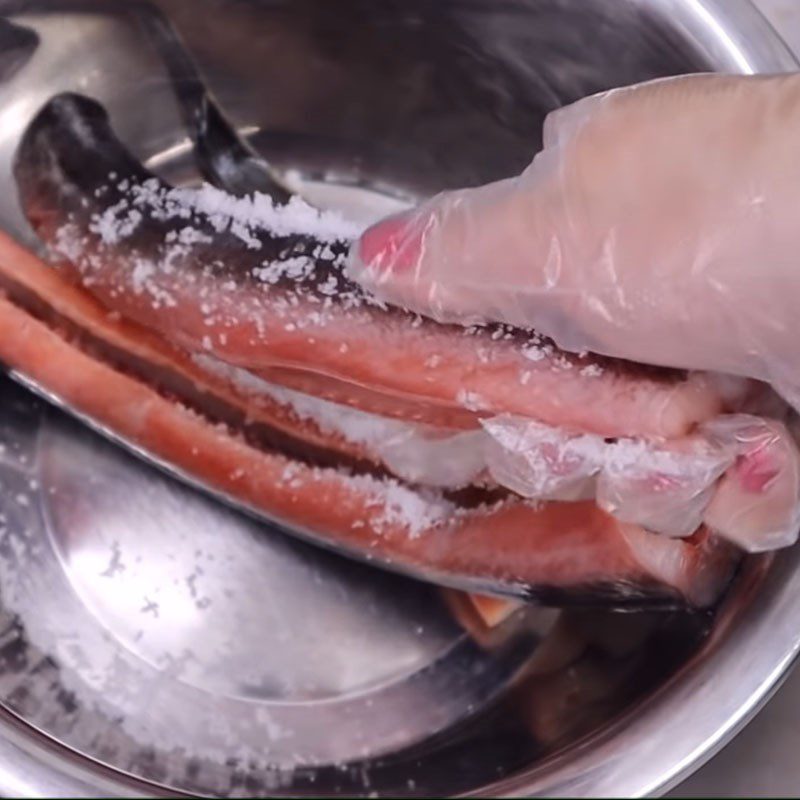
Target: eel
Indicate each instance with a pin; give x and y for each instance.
(262, 287)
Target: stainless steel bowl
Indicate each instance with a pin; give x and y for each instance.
(152, 641)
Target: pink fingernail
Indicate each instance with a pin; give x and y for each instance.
(391, 245)
(757, 469)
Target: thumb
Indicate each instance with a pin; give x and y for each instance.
(473, 255)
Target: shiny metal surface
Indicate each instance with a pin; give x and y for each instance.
(143, 589)
(156, 639)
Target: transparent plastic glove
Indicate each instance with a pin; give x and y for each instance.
(757, 502)
(660, 223)
(739, 474)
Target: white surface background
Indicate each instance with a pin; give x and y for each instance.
(764, 760)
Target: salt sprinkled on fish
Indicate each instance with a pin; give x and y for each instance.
(242, 216)
(304, 252)
(416, 510)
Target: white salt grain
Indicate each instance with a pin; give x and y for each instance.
(534, 353)
(472, 401)
(244, 216)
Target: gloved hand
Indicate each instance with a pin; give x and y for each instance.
(660, 223)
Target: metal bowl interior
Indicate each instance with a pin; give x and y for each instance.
(152, 641)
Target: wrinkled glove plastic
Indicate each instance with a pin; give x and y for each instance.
(661, 224)
(739, 474)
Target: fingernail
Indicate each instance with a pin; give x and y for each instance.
(392, 245)
(757, 470)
